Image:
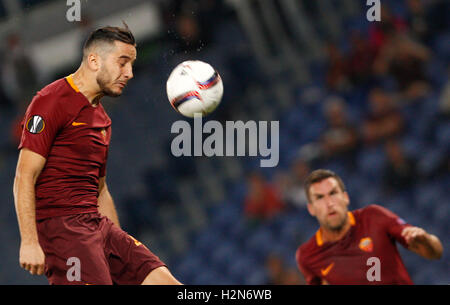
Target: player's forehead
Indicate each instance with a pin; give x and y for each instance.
(324, 186)
(124, 50)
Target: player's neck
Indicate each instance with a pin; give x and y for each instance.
(87, 86)
(335, 235)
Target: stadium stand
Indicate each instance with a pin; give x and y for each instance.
(189, 211)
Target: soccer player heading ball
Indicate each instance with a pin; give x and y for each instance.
(64, 209)
(357, 247)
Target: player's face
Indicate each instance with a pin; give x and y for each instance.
(328, 204)
(116, 69)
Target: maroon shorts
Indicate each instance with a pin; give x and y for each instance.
(89, 249)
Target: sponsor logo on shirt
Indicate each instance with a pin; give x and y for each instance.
(366, 244)
(78, 123)
(35, 124)
(103, 131)
(327, 270)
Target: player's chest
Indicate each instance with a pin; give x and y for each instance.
(89, 132)
(349, 260)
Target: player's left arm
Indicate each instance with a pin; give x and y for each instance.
(424, 244)
(413, 238)
(106, 205)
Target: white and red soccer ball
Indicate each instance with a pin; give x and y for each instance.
(194, 87)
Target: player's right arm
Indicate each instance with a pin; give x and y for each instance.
(29, 167)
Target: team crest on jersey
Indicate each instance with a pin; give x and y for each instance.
(103, 131)
(35, 124)
(366, 244)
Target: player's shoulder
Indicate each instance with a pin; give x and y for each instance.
(57, 94)
(374, 212)
(57, 88)
(373, 209)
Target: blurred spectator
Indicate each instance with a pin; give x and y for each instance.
(405, 60)
(400, 170)
(18, 75)
(279, 274)
(5, 102)
(340, 137)
(444, 101)
(336, 77)
(191, 23)
(262, 200)
(360, 59)
(291, 183)
(381, 32)
(418, 20)
(188, 28)
(439, 22)
(384, 119)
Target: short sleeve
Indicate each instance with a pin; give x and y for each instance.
(310, 277)
(393, 224)
(41, 123)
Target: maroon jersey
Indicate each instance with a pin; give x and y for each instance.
(373, 233)
(62, 126)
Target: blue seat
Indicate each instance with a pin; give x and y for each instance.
(257, 277)
(225, 215)
(186, 270)
(260, 243)
(207, 277)
(430, 160)
(441, 211)
(426, 196)
(370, 162)
(224, 255)
(413, 146)
(241, 267)
(443, 135)
(205, 241)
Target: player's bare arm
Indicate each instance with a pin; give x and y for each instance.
(29, 166)
(106, 205)
(160, 276)
(424, 244)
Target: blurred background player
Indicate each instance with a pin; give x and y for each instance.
(340, 251)
(280, 60)
(63, 205)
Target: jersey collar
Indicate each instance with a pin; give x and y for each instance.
(319, 239)
(71, 83)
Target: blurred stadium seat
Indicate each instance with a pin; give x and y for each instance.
(206, 237)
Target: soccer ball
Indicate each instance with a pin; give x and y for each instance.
(194, 87)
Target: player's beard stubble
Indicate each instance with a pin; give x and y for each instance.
(337, 226)
(103, 79)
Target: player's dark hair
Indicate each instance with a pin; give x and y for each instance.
(319, 175)
(109, 34)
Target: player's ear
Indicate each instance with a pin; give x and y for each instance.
(347, 198)
(311, 210)
(93, 61)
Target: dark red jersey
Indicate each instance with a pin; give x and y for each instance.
(373, 235)
(61, 125)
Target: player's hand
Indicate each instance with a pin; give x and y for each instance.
(32, 258)
(414, 236)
